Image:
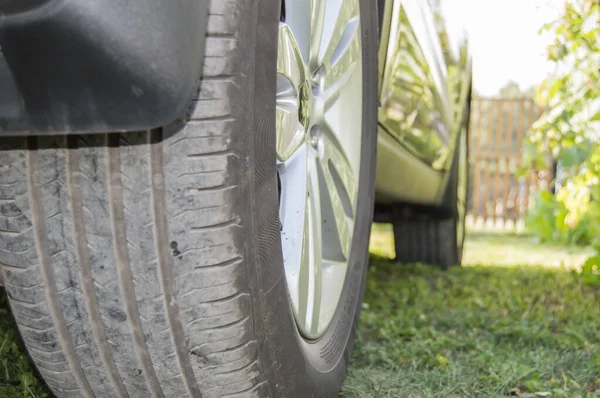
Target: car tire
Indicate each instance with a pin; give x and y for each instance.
(150, 263)
(435, 235)
(426, 239)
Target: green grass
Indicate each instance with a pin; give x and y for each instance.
(496, 247)
(491, 329)
(17, 375)
(481, 330)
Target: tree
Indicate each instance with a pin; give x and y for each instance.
(512, 90)
(509, 90)
(572, 94)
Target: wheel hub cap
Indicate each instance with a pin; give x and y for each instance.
(319, 125)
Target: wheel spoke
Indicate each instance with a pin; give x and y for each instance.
(317, 21)
(290, 133)
(289, 57)
(340, 186)
(340, 23)
(306, 18)
(335, 84)
(310, 279)
(334, 154)
(293, 178)
(340, 99)
(290, 76)
(345, 64)
(332, 271)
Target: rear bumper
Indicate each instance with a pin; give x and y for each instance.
(77, 66)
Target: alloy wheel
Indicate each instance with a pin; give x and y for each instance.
(319, 131)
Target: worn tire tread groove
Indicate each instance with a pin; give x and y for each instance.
(165, 262)
(124, 274)
(47, 272)
(85, 270)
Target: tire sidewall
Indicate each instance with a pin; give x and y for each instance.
(292, 365)
(464, 131)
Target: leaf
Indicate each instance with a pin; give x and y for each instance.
(569, 156)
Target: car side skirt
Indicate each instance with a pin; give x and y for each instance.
(401, 177)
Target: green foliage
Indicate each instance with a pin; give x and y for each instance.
(590, 271)
(512, 90)
(569, 129)
(551, 221)
(572, 94)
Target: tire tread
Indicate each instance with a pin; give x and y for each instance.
(123, 254)
(424, 239)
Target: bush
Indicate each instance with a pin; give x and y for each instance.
(551, 221)
(569, 131)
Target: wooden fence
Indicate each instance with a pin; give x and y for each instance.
(497, 131)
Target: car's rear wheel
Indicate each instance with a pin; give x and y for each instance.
(435, 235)
(223, 255)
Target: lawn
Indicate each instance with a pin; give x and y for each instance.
(17, 376)
(516, 321)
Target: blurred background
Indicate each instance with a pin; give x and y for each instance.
(536, 117)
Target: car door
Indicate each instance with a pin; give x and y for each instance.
(422, 78)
